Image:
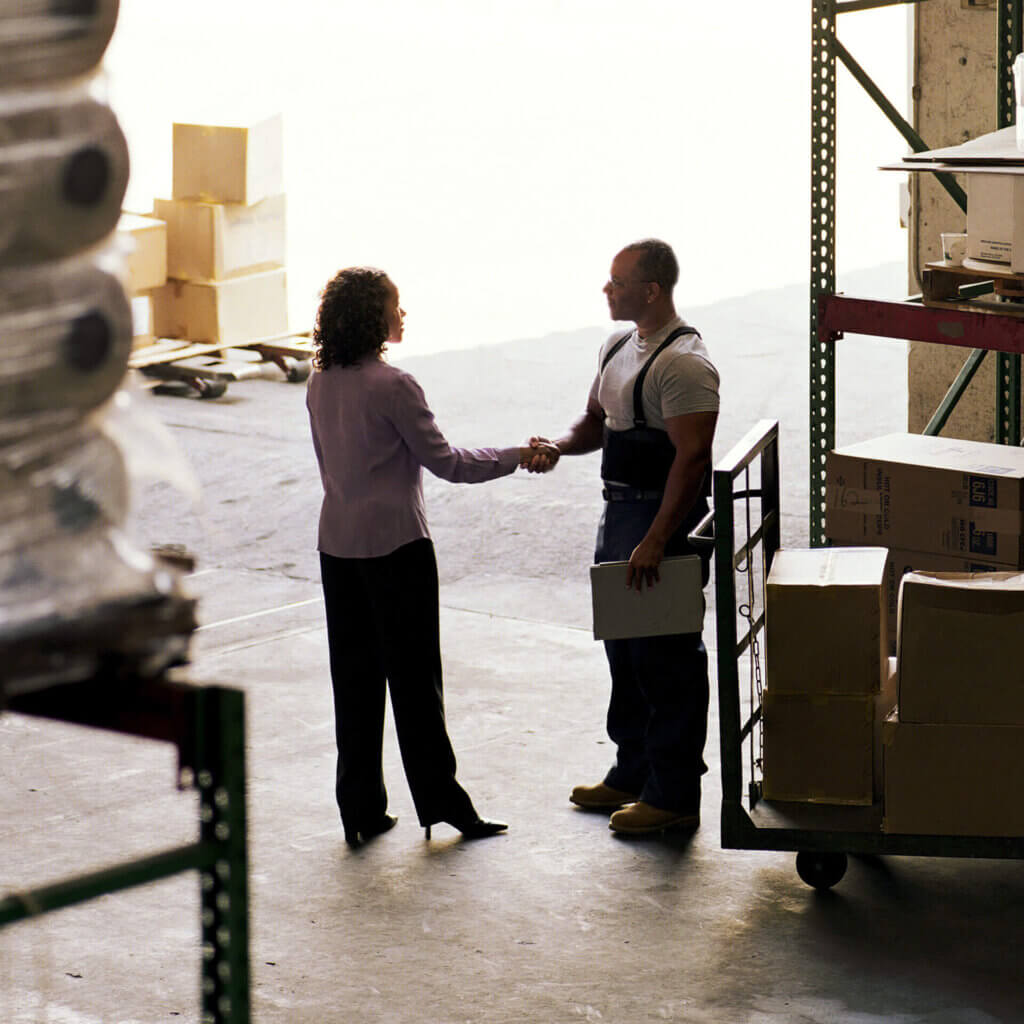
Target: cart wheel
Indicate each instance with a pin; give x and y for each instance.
(820, 870)
(211, 388)
(298, 372)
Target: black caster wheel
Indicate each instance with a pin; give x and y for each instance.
(298, 372)
(211, 388)
(820, 870)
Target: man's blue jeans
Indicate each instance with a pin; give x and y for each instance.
(658, 712)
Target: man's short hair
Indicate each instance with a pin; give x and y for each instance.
(657, 262)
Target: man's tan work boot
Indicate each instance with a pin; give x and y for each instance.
(641, 818)
(600, 797)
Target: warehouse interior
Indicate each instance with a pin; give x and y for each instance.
(171, 847)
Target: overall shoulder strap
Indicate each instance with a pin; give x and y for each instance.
(639, 420)
(615, 348)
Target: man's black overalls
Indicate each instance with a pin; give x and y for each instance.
(657, 716)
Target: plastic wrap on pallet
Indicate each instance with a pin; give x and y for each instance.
(65, 339)
(45, 40)
(60, 486)
(57, 581)
(63, 173)
(63, 499)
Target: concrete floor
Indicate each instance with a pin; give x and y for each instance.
(556, 921)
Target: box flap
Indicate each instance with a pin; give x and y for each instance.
(985, 592)
(827, 567)
(979, 457)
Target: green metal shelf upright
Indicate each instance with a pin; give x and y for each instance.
(829, 315)
(207, 724)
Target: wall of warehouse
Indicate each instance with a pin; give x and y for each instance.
(953, 83)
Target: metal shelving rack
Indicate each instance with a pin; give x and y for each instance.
(207, 724)
(832, 314)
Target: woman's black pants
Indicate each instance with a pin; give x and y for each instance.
(383, 632)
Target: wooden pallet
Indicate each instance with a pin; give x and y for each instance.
(941, 283)
(208, 367)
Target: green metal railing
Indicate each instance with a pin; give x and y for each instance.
(1008, 45)
(208, 726)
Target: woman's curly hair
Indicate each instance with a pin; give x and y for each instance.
(350, 322)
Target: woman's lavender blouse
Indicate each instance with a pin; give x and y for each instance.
(373, 433)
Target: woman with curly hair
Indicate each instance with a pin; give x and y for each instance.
(373, 433)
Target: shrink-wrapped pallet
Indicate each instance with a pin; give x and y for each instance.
(67, 335)
(63, 174)
(45, 40)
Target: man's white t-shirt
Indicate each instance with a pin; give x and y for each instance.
(681, 381)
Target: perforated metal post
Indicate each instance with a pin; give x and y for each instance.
(1008, 45)
(220, 778)
(823, 241)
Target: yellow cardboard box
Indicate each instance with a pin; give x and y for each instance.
(213, 241)
(229, 163)
(145, 247)
(995, 218)
(952, 780)
(235, 311)
(920, 493)
(826, 748)
(959, 648)
(826, 621)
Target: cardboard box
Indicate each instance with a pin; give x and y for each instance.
(901, 562)
(213, 241)
(921, 493)
(229, 163)
(145, 248)
(995, 219)
(960, 648)
(826, 748)
(235, 311)
(952, 780)
(826, 621)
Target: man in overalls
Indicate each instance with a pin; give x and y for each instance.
(652, 410)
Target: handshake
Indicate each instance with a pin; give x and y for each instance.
(539, 455)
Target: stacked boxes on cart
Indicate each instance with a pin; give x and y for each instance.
(830, 681)
(225, 236)
(954, 511)
(955, 746)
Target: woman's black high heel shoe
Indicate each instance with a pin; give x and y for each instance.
(477, 828)
(357, 836)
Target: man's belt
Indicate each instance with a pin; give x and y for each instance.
(630, 494)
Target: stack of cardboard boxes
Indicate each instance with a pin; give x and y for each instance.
(956, 743)
(954, 511)
(830, 681)
(938, 504)
(225, 236)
